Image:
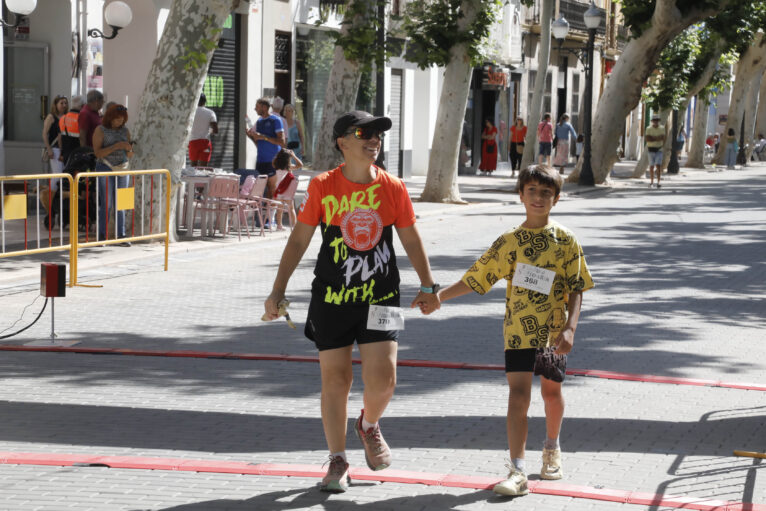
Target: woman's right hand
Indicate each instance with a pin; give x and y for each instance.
(272, 305)
(126, 146)
(50, 153)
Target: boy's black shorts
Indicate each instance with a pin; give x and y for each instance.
(520, 361)
(333, 326)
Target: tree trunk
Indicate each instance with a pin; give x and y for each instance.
(760, 121)
(752, 62)
(635, 129)
(340, 97)
(623, 90)
(169, 99)
(696, 159)
(643, 163)
(751, 107)
(535, 113)
(441, 181)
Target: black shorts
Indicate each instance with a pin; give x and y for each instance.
(333, 326)
(520, 361)
(265, 168)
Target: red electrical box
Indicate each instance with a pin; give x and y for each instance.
(52, 280)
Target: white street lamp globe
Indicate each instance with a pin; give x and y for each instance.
(22, 7)
(592, 17)
(118, 14)
(560, 28)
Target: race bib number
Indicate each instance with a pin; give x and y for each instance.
(533, 278)
(385, 318)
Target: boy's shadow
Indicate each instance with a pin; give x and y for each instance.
(308, 497)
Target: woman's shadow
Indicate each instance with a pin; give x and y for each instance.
(308, 497)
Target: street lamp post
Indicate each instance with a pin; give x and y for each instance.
(560, 28)
(673, 163)
(118, 16)
(19, 8)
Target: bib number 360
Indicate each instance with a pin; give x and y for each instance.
(533, 278)
(381, 317)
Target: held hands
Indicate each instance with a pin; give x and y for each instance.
(564, 341)
(428, 302)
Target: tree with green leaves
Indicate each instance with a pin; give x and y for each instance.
(356, 50)
(653, 24)
(448, 34)
(686, 66)
(170, 96)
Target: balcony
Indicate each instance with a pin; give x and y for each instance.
(573, 11)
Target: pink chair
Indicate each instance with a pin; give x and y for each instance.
(257, 204)
(223, 199)
(287, 198)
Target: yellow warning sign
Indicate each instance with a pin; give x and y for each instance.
(125, 198)
(15, 206)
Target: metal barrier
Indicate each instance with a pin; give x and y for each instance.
(124, 201)
(14, 207)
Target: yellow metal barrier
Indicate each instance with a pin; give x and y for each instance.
(125, 198)
(14, 207)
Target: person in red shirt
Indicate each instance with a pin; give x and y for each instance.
(488, 148)
(545, 138)
(89, 118)
(355, 294)
(518, 134)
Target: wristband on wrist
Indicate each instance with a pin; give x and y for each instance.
(432, 290)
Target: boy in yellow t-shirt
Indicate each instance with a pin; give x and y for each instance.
(546, 273)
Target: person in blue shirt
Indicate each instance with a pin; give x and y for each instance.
(269, 137)
(562, 133)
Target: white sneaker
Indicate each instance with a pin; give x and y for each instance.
(551, 465)
(514, 486)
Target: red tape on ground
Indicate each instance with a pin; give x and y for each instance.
(609, 375)
(363, 474)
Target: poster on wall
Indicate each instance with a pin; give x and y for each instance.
(21, 32)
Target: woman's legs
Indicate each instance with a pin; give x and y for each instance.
(379, 377)
(335, 366)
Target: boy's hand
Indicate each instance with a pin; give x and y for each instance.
(428, 302)
(565, 341)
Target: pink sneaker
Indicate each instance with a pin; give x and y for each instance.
(376, 451)
(337, 478)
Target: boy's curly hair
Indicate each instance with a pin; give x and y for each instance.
(543, 174)
(282, 160)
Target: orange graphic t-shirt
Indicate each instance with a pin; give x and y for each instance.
(356, 262)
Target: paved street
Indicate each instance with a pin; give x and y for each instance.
(680, 292)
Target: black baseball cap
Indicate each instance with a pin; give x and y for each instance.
(359, 118)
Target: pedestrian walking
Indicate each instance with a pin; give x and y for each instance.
(547, 274)
(113, 147)
(518, 134)
(488, 162)
(545, 139)
(52, 137)
(732, 148)
(563, 132)
(655, 139)
(269, 137)
(355, 294)
(205, 122)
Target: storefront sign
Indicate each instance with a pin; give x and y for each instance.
(495, 77)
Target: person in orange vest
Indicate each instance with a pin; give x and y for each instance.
(70, 129)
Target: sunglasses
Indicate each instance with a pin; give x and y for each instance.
(365, 133)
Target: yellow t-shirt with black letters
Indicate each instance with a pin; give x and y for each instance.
(533, 319)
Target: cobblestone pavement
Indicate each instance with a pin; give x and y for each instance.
(679, 292)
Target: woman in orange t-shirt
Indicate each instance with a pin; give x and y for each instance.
(488, 148)
(518, 134)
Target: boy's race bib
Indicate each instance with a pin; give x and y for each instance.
(382, 317)
(533, 278)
